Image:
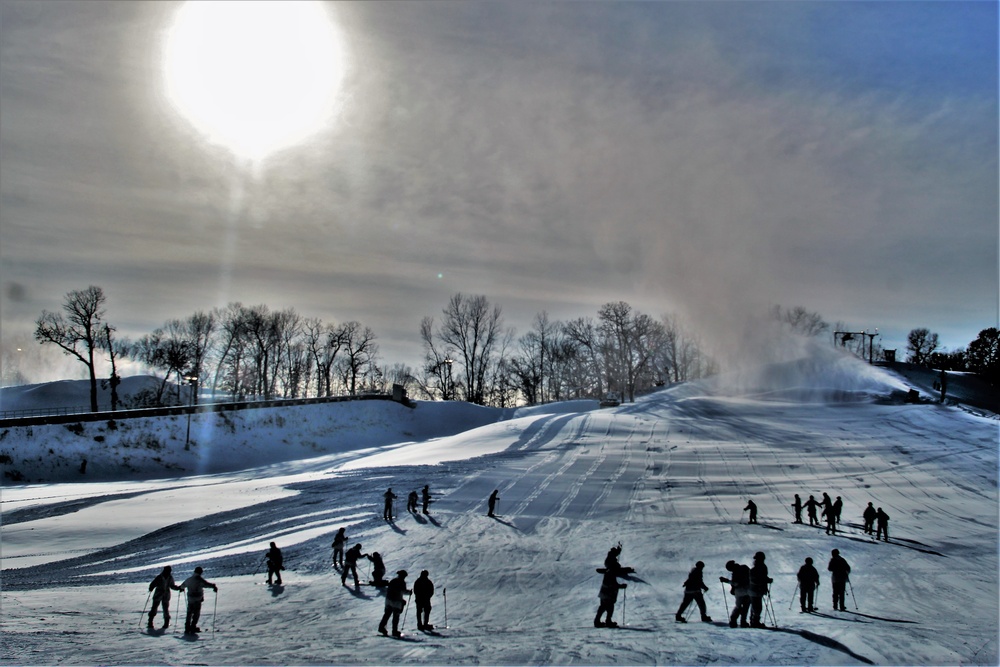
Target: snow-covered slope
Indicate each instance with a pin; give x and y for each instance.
(668, 476)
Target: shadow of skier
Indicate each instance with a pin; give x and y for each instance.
(828, 642)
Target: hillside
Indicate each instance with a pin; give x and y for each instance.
(667, 476)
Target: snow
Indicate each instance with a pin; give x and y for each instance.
(667, 475)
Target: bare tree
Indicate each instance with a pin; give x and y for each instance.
(473, 327)
(78, 333)
(921, 344)
(360, 350)
(115, 347)
(800, 320)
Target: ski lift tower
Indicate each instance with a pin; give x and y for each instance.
(844, 337)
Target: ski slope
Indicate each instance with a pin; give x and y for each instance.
(668, 476)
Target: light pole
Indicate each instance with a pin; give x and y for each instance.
(447, 382)
(191, 381)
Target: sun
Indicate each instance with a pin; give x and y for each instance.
(254, 76)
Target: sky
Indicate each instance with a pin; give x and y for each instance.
(707, 160)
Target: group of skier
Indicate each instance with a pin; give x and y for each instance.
(832, 510)
(194, 587)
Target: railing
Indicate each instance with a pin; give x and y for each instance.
(68, 415)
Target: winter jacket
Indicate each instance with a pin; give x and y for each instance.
(161, 585)
(352, 555)
(840, 569)
(275, 559)
(759, 579)
(423, 589)
(609, 587)
(808, 577)
(695, 583)
(740, 583)
(339, 540)
(195, 587)
(394, 594)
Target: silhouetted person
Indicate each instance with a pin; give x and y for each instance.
(608, 596)
(827, 504)
(426, 497)
(387, 508)
(944, 384)
(161, 585)
(831, 519)
(869, 515)
(411, 502)
(195, 586)
(611, 560)
(838, 507)
(811, 506)
(423, 590)
(840, 573)
(883, 524)
(797, 506)
(275, 563)
(758, 589)
(351, 564)
(808, 578)
(394, 603)
(740, 588)
(752, 506)
(694, 586)
(494, 497)
(339, 540)
(378, 570)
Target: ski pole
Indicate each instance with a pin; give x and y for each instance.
(406, 609)
(724, 598)
(184, 593)
(852, 593)
(444, 592)
(624, 600)
(743, 514)
(258, 566)
(793, 597)
(215, 612)
(143, 612)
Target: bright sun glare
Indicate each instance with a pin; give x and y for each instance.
(254, 76)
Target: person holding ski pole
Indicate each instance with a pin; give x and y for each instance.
(752, 506)
(869, 515)
(339, 540)
(797, 506)
(840, 574)
(426, 497)
(494, 497)
(740, 588)
(811, 506)
(160, 587)
(423, 591)
(883, 525)
(275, 563)
(808, 583)
(387, 507)
(394, 603)
(694, 586)
(608, 595)
(195, 586)
(758, 589)
(411, 502)
(351, 565)
(378, 570)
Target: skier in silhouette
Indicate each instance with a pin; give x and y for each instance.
(838, 507)
(275, 563)
(759, 582)
(394, 603)
(423, 590)
(195, 586)
(752, 506)
(811, 506)
(831, 519)
(339, 540)
(694, 586)
(608, 595)
(161, 585)
(840, 574)
(494, 497)
(387, 508)
(883, 524)
(426, 496)
(351, 564)
(411, 502)
(740, 588)
(378, 570)
(869, 515)
(797, 506)
(808, 583)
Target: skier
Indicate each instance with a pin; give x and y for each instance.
(808, 583)
(608, 595)
(339, 540)
(752, 506)
(838, 507)
(394, 603)
(426, 492)
(611, 561)
(811, 506)
(195, 586)
(411, 502)
(494, 497)
(739, 587)
(841, 573)
(869, 515)
(831, 519)
(378, 570)
(797, 506)
(827, 504)
(387, 508)
(351, 564)
(758, 589)
(161, 585)
(423, 590)
(883, 524)
(694, 586)
(275, 563)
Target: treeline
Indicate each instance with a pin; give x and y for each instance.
(982, 356)
(254, 352)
